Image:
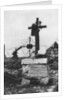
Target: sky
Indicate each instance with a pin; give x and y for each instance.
(16, 30)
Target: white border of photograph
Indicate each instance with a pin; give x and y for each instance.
(14, 2)
(30, 95)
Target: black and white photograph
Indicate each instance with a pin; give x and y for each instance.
(30, 50)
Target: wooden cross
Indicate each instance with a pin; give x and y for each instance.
(35, 28)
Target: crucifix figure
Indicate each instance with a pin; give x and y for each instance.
(35, 28)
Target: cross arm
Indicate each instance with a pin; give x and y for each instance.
(44, 26)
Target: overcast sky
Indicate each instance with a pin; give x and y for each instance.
(16, 25)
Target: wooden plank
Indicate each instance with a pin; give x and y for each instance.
(34, 61)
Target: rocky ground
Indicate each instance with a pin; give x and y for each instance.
(14, 84)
